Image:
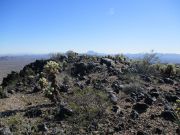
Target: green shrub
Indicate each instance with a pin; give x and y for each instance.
(89, 105)
(145, 65)
(2, 93)
(120, 57)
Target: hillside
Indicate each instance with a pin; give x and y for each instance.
(92, 95)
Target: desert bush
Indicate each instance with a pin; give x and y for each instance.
(2, 93)
(132, 87)
(178, 71)
(52, 67)
(89, 105)
(71, 55)
(145, 65)
(120, 57)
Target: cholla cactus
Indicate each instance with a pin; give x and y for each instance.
(52, 67)
(43, 83)
(170, 70)
(49, 91)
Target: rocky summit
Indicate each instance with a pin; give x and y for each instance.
(72, 94)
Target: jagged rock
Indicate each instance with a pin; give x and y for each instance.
(116, 109)
(154, 93)
(64, 111)
(36, 89)
(168, 107)
(5, 131)
(137, 96)
(146, 78)
(134, 114)
(7, 113)
(168, 81)
(161, 81)
(64, 88)
(36, 67)
(33, 113)
(158, 131)
(13, 76)
(140, 107)
(117, 87)
(107, 62)
(171, 98)
(149, 100)
(113, 98)
(168, 115)
(82, 68)
(178, 131)
(42, 127)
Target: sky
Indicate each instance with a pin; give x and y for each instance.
(106, 26)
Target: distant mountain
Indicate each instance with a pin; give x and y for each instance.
(164, 58)
(23, 57)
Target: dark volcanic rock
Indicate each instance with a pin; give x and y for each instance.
(171, 98)
(13, 76)
(113, 97)
(158, 131)
(168, 115)
(107, 62)
(64, 111)
(154, 93)
(42, 127)
(140, 107)
(168, 81)
(33, 113)
(134, 114)
(149, 100)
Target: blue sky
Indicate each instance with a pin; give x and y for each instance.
(108, 26)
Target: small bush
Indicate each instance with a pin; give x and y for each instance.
(2, 93)
(89, 105)
(120, 57)
(145, 65)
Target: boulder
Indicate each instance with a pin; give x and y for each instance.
(113, 98)
(63, 111)
(168, 81)
(42, 127)
(169, 115)
(140, 107)
(171, 98)
(149, 100)
(107, 62)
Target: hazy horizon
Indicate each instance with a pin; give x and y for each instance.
(104, 26)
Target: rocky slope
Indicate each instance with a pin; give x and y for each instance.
(89, 95)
